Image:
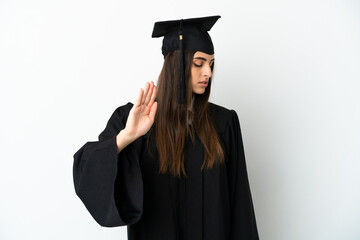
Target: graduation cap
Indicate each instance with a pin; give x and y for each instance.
(185, 34)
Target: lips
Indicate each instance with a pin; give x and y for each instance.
(204, 82)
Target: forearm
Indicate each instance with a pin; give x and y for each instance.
(122, 140)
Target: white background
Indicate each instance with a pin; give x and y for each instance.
(289, 68)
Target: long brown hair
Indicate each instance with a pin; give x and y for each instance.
(171, 126)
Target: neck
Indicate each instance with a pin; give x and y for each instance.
(190, 108)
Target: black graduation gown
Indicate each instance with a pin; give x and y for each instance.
(126, 189)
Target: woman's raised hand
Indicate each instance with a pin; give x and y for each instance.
(142, 114)
(141, 117)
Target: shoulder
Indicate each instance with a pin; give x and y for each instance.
(219, 110)
(222, 116)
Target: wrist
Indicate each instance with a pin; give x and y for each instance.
(125, 137)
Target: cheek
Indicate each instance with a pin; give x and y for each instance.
(195, 74)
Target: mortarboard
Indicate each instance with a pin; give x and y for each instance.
(185, 34)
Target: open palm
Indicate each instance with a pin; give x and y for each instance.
(142, 114)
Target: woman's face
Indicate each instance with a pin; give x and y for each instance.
(201, 71)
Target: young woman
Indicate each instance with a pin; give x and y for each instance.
(172, 165)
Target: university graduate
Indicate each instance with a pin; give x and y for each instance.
(171, 166)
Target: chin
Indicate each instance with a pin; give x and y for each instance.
(199, 92)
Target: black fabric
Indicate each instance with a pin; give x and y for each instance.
(194, 34)
(126, 189)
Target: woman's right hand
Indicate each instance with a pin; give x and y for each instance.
(142, 114)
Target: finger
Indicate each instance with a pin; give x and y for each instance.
(146, 89)
(148, 97)
(153, 96)
(139, 97)
(153, 111)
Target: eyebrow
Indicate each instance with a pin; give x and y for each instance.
(204, 59)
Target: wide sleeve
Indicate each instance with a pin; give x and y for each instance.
(110, 184)
(243, 222)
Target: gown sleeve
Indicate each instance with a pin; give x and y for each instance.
(243, 222)
(110, 184)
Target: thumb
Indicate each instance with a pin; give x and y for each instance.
(153, 111)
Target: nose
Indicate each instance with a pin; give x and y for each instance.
(207, 71)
